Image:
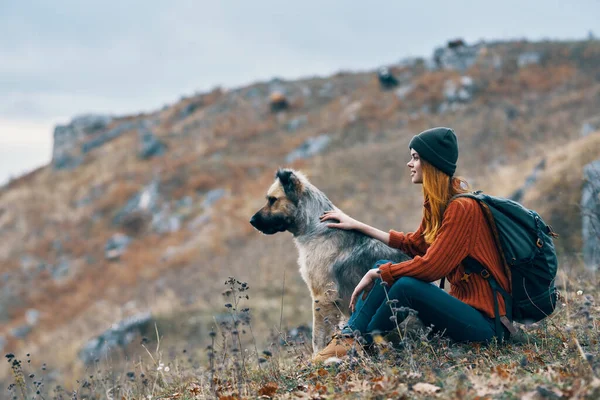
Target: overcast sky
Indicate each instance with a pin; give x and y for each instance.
(61, 58)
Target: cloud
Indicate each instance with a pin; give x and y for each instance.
(24, 145)
(42, 106)
(25, 133)
(165, 49)
(67, 57)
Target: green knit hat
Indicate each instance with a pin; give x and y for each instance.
(437, 146)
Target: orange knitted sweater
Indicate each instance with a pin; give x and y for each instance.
(464, 232)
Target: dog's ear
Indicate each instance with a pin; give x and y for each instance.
(285, 176)
(290, 182)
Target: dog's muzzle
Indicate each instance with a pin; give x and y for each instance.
(270, 225)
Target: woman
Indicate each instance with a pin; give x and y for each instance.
(449, 233)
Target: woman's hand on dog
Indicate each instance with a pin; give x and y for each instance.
(364, 286)
(339, 220)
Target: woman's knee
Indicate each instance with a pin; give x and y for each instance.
(408, 286)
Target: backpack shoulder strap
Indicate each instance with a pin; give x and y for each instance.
(472, 265)
(472, 195)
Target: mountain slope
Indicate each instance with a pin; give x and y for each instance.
(518, 103)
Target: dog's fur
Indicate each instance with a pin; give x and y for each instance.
(332, 261)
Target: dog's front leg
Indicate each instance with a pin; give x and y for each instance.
(318, 340)
(326, 318)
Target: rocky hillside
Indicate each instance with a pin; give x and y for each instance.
(142, 218)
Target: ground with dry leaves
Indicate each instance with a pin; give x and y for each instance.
(556, 359)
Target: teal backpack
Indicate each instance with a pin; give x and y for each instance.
(525, 241)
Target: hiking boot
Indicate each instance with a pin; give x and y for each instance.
(338, 347)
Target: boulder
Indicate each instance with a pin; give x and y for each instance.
(590, 210)
(296, 123)
(21, 332)
(91, 123)
(404, 91)
(198, 222)
(253, 93)
(309, 148)
(165, 221)
(66, 150)
(93, 194)
(297, 335)
(32, 316)
(326, 90)
(10, 301)
(212, 197)
(149, 145)
(278, 102)
(31, 263)
(116, 246)
(190, 108)
(529, 181)
(117, 337)
(386, 79)
(61, 269)
(528, 58)
(457, 55)
(185, 202)
(145, 200)
(460, 91)
(511, 112)
(100, 139)
(456, 43)
(590, 126)
(64, 147)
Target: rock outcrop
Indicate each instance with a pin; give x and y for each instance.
(65, 153)
(117, 337)
(590, 211)
(86, 133)
(457, 55)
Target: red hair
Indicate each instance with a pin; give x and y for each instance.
(438, 189)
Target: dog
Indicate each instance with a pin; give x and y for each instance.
(332, 261)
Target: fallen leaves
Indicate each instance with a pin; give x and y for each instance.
(268, 390)
(425, 388)
(194, 389)
(502, 371)
(487, 385)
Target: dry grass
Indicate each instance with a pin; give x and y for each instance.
(556, 358)
(533, 78)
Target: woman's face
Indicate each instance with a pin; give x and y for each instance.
(416, 173)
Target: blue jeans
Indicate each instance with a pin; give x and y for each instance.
(447, 314)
